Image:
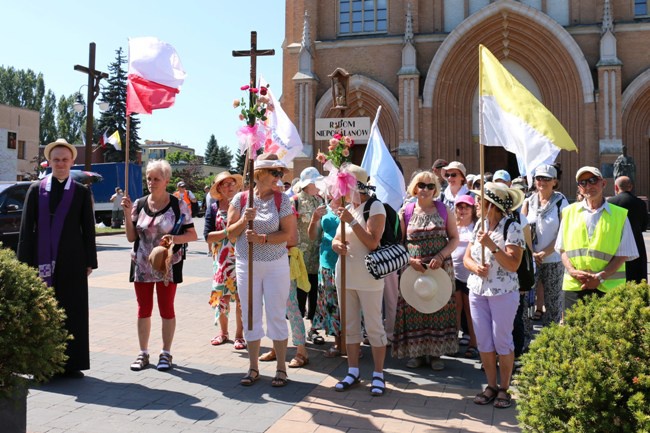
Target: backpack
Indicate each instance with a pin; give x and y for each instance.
(392, 231)
(410, 207)
(526, 270)
(177, 269)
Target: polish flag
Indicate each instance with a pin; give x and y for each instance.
(154, 77)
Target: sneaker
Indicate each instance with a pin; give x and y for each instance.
(164, 362)
(141, 362)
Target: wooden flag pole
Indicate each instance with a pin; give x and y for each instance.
(252, 53)
(126, 155)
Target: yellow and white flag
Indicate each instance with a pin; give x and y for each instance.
(511, 117)
(114, 139)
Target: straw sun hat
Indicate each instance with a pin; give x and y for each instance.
(506, 199)
(60, 142)
(239, 182)
(426, 291)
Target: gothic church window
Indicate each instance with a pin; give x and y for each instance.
(363, 16)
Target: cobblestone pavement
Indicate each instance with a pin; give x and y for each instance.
(202, 392)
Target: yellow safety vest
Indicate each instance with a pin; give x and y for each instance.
(593, 254)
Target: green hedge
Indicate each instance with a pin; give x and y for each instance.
(591, 374)
(32, 337)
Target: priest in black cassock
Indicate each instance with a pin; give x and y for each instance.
(57, 236)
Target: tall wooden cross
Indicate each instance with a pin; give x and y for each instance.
(94, 76)
(253, 53)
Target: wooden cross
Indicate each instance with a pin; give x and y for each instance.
(94, 76)
(253, 53)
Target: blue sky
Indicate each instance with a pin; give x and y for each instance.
(52, 36)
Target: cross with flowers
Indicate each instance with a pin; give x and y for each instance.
(251, 116)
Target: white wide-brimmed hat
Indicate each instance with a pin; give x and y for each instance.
(269, 160)
(308, 176)
(506, 199)
(60, 142)
(426, 291)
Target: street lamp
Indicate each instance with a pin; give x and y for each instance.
(79, 105)
(94, 76)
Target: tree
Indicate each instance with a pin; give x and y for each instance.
(224, 157)
(240, 161)
(48, 132)
(115, 117)
(20, 88)
(211, 151)
(68, 122)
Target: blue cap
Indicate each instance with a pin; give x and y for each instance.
(501, 175)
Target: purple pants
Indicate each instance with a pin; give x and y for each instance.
(493, 318)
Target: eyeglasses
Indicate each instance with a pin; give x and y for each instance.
(429, 186)
(543, 179)
(463, 206)
(228, 184)
(276, 173)
(591, 181)
(451, 174)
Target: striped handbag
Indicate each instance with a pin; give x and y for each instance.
(386, 259)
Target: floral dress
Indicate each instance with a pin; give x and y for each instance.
(419, 334)
(328, 315)
(224, 280)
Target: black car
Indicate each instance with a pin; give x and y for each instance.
(12, 199)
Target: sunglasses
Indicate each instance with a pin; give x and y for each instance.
(451, 174)
(276, 173)
(591, 181)
(543, 179)
(429, 186)
(228, 184)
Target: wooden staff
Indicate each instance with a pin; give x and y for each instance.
(126, 156)
(252, 53)
(343, 271)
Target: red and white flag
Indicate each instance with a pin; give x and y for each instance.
(103, 139)
(154, 77)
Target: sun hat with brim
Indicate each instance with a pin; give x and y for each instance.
(239, 182)
(308, 176)
(57, 143)
(439, 163)
(426, 291)
(269, 160)
(359, 173)
(546, 171)
(455, 165)
(588, 169)
(506, 199)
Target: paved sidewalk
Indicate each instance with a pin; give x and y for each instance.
(202, 392)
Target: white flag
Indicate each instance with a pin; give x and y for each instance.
(114, 139)
(382, 169)
(286, 139)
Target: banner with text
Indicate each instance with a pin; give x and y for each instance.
(357, 128)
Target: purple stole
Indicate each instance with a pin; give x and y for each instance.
(49, 229)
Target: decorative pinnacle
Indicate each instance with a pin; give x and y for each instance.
(408, 33)
(608, 22)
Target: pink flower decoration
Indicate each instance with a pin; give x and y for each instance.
(241, 117)
(348, 141)
(346, 182)
(254, 90)
(235, 103)
(320, 157)
(337, 136)
(263, 91)
(246, 87)
(333, 143)
(345, 152)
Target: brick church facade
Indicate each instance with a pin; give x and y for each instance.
(588, 61)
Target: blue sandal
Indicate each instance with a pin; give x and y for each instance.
(377, 390)
(344, 386)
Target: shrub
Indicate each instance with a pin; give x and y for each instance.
(32, 337)
(593, 373)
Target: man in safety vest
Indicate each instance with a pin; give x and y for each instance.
(184, 194)
(595, 240)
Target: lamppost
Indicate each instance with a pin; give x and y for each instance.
(94, 76)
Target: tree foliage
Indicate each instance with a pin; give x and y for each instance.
(211, 151)
(593, 373)
(48, 130)
(69, 122)
(115, 117)
(240, 161)
(224, 157)
(21, 88)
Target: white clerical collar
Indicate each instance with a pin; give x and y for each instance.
(48, 182)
